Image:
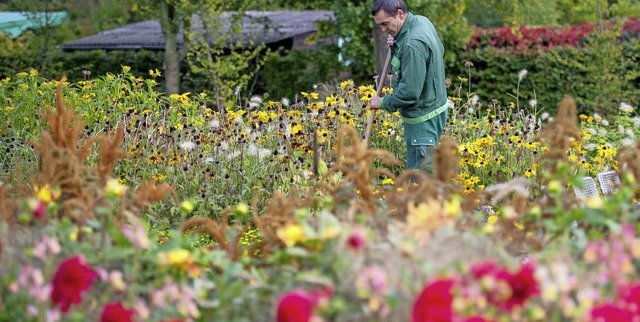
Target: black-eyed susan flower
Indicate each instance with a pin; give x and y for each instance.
(310, 96)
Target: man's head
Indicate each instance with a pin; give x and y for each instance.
(389, 15)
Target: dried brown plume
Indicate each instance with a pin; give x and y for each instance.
(629, 157)
(559, 133)
(356, 161)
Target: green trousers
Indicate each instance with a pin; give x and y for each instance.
(422, 139)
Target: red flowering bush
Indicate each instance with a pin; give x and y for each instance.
(116, 312)
(523, 40)
(72, 278)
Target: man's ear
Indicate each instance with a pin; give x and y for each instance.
(400, 14)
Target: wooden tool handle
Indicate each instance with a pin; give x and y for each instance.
(367, 131)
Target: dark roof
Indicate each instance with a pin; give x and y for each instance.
(261, 27)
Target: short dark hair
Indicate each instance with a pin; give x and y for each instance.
(390, 7)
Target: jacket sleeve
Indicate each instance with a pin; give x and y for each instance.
(413, 69)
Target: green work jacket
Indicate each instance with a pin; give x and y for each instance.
(418, 70)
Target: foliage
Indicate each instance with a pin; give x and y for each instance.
(585, 71)
(345, 243)
(311, 66)
(554, 12)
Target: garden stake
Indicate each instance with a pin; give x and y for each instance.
(367, 131)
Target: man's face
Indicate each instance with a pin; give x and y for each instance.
(390, 24)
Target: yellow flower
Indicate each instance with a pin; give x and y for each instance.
(263, 116)
(296, 128)
(291, 234)
(312, 95)
(347, 83)
(492, 219)
(178, 257)
(46, 195)
(187, 206)
(388, 181)
(362, 90)
(114, 188)
(595, 202)
(242, 208)
(367, 96)
(154, 73)
(530, 173)
(453, 207)
(518, 225)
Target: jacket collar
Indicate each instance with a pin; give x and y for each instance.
(405, 27)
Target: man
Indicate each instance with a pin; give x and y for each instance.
(419, 92)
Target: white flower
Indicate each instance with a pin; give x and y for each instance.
(187, 145)
(590, 146)
(208, 160)
(604, 122)
(214, 124)
(256, 99)
(621, 129)
(627, 142)
(522, 74)
(252, 150)
(237, 120)
(285, 102)
(234, 155)
(474, 99)
(630, 134)
(533, 103)
(544, 116)
(592, 131)
(626, 108)
(450, 103)
(603, 132)
(264, 153)
(470, 110)
(224, 145)
(636, 121)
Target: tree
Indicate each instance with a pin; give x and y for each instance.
(40, 12)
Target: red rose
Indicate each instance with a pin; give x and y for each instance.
(630, 294)
(523, 286)
(483, 269)
(357, 240)
(295, 306)
(115, 312)
(477, 319)
(72, 278)
(434, 303)
(610, 313)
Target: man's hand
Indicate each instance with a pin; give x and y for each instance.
(390, 40)
(375, 102)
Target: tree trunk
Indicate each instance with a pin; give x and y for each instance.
(380, 48)
(170, 28)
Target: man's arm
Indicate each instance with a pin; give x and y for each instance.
(414, 71)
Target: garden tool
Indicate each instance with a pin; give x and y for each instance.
(383, 75)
